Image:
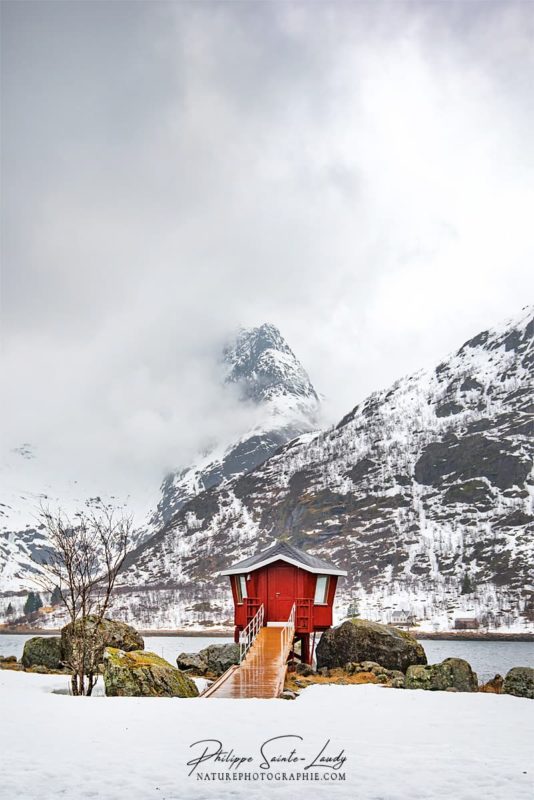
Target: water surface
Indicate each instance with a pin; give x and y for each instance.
(486, 658)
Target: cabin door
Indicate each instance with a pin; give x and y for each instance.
(280, 592)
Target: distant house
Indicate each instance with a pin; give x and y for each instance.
(401, 617)
(466, 624)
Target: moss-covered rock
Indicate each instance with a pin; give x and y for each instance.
(519, 681)
(43, 651)
(141, 674)
(110, 634)
(452, 673)
(358, 640)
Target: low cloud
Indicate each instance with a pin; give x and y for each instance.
(358, 174)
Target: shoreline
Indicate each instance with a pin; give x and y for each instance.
(473, 636)
(468, 636)
(219, 633)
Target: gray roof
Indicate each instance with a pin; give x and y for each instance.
(284, 552)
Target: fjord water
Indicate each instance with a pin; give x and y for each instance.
(487, 658)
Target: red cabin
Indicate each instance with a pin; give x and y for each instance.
(279, 578)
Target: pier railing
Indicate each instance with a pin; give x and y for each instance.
(288, 634)
(248, 634)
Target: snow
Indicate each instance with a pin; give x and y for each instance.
(399, 745)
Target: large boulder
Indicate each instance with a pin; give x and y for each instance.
(215, 659)
(519, 681)
(110, 634)
(452, 673)
(43, 651)
(141, 674)
(221, 657)
(192, 662)
(358, 640)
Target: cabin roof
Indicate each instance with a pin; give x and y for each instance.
(282, 551)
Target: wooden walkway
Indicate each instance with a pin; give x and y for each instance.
(261, 673)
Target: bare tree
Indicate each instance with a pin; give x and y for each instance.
(85, 556)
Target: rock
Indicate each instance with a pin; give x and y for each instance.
(358, 640)
(43, 651)
(220, 657)
(391, 677)
(8, 659)
(452, 673)
(110, 634)
(370, 666)
(192, 662)
(140, 674)
(215, 659)
(287, 694)
(304, 669)
(519, 681)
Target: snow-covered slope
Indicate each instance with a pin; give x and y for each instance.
(423, 493)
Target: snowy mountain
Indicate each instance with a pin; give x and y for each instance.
(423, 492)
(265, 377)
(268, 377)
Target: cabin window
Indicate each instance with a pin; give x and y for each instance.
(241, 586)
(321, 588)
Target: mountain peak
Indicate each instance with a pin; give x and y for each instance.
(261, 362)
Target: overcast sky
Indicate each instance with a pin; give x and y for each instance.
(359, 174)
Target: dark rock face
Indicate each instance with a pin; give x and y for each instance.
(361, 470)
(359, 640)
(452, 674)
(110, 634)
(215, 659)
(475, 492)
(468, 458)
(447, 409)
(141, 674)
(43, 651)
(519, 681)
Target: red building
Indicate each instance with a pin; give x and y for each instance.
(279, 578)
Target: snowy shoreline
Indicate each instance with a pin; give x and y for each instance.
(399, 745)
(466, 636)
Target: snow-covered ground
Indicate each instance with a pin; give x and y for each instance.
(398, 745)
